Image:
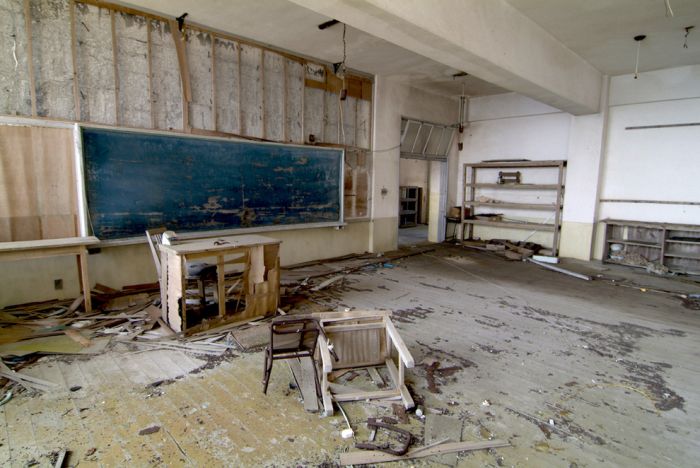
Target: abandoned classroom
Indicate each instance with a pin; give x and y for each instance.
(351, 232)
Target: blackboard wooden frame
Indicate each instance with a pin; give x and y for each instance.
(317, 174)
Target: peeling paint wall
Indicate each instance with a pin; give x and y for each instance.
(96, 86)
(132, 71)
(53, 65)
(14, 66)
(251, 91)
(295, 101)
(167, 90)
(228, 86)
(273, 89)
(199, 59)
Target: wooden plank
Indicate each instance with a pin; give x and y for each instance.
(376, 377)
(408, 402)
(74, 60)
(509, 225)
(184, 73)
(367, 457)
(85, 280)
(115, 69)
(30, 55)
(149, 47)
(76, 336)
(401, 347)
(371, 395)
(304, 376)
(47, 243)
(507, 164)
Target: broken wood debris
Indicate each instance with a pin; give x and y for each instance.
(505, 248)
(364, 457)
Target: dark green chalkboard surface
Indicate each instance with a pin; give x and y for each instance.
(135, 181)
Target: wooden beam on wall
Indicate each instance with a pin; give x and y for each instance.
(115, 70)
(74, 60)
(213, 82)
(149, 45)
(30, 55)
(184, 72)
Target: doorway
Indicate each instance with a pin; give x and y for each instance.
(423, 181)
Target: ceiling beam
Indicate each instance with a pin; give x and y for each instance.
(486, 38)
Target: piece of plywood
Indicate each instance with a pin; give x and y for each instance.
(60, 344)
(368, 457)
(38, 193)
(304, 376)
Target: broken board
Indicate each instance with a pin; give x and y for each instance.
(303, 372)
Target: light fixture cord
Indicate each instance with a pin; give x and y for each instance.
(636, 63)
(669, 10)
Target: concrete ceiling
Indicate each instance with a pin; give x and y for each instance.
(599, 31)
(290, 27)
(602, 31)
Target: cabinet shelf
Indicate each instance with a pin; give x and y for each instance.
(678, 255)
(634, 242)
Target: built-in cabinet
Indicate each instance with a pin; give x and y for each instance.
(639, 244)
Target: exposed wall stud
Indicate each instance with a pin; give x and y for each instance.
(262, 93)
(76, 89)
(285, 133)
(149, 45)
(114, 67)
(213, 82)
(240, 110)
(30, 55)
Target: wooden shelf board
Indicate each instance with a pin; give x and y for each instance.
(510, 225)
(680, 255)
(516, 186)
(506, 164)
(633, 242)
(617, 262)
(684, 242)
(652, 225)
(523, 206)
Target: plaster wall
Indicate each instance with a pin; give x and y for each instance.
(33, 280)
(652, 164)
(393, 100)
(512, 126)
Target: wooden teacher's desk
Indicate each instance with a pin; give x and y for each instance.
(258, 286)
(25, 250)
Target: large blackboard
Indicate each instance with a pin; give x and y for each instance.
(135, 181)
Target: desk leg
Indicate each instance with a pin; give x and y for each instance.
(221, 293)
(85, 279)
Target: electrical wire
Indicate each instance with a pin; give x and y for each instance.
(636, 63)
(669, 10)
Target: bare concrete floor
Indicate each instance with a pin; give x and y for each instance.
(614, 369)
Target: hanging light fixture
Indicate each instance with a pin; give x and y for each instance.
(639, 40)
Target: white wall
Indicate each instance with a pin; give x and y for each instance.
(658, 164)
(393, 100)
(511, 126)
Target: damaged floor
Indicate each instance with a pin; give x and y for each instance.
(570, 372)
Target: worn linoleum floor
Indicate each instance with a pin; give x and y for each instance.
(572, 373)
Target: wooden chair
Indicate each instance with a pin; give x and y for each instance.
(198, 272)
(292, 337)
(363, 340)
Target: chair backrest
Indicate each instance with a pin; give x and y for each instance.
(155, 238)
(294, 335)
